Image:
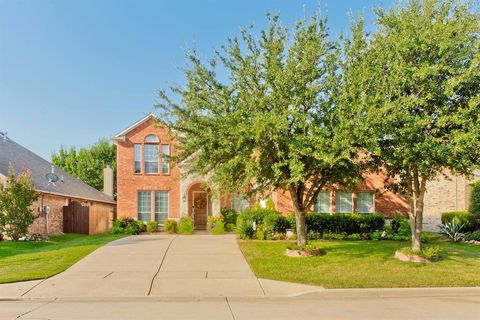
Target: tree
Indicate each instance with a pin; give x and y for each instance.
(87, 164)
(422, 95)
(16, 197)
(275, 123)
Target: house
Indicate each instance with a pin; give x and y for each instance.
(65, 204)
(150, 187)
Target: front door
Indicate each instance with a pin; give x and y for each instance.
(200, 209)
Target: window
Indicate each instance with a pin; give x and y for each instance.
(151, 158)
(323, 203)
(137, 167)
(151, 139)
(343, 202)
(161, 206)
(165, 158)
(365, 202)
(239, 203)
(144, 205)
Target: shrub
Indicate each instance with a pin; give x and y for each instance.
(152, 226)
(229, 227)
(186, 226)
(313, 235)
(126, 225)
(215, 225)
(291, 221)
(245, 227)
(473, 236)
(16, 197)
(141, 226)
(229, 216)
(170, 226)
(470, 221)
(333, 236)
(431, 253)
(267, 222)
(354, 236)
(396, 222)
(344, 223)
(474, 207)
(452, 230)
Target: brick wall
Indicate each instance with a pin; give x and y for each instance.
(129, 183)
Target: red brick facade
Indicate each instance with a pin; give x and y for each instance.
(179, 203)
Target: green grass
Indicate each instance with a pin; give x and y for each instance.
(20, 261)
(365, 264)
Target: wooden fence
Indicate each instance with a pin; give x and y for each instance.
(76, 218)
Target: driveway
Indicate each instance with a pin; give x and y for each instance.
(159, 265)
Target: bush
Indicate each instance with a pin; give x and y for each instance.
(429, 253)
(215, 225)
(267, 222)
(186, 226)
(126, 225)
(452, 230)
(170, 226)
(229, 227)
(470, 221)
(333, 236)
(152, 226)
(244, 227)
(354, 236)
(141, 226)
(229, 216)
(344, 223)
(475, 199)
(396, 222)
(473, 236)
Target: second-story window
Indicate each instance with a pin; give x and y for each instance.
(151, 154)
(165, 158)
(137, 158)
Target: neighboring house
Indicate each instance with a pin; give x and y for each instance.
(149, 187)
(87, 209)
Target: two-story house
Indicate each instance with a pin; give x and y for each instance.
(151, 188)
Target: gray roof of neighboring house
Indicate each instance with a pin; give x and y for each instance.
(11, 153)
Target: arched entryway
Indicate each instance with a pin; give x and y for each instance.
(199, 205)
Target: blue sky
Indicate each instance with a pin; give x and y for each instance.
(72, 72)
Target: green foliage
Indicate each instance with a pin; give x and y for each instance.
(16, 197)
(229, 216)
(186, 226)
(229, 227)
(170, 226)
(452, 230)
(215, 224)
(267, 222)
(152, 226)
(277, 114)
(141, 226)
(245, 227)
(333, 236)
(417, 77)
(473, 236)
(126, 225)
(471, 222)
(347, 223)
(429, 253)
(354, 236)
(87, 164)
(474, 207)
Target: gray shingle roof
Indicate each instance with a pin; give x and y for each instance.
(11, 153)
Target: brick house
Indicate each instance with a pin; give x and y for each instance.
(149, 187)
(55, 196)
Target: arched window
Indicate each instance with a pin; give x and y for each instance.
(151, 139)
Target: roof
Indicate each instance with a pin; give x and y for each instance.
(11, 153)
(121, 135)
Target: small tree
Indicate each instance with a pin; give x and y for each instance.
(276, 123)
(16, 197)
(475, 199)
(422, 87)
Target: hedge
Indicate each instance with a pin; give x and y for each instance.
(343, 223)
(268, 221)
(471, 221)
(475, 199)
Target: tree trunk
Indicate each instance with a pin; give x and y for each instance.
(416, 218)
(301, 228)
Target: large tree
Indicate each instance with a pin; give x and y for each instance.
(274, 121)
(420, 87)
(87, 164)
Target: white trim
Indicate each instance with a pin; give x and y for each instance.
(121, 135)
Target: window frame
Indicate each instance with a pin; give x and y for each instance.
(372, 208)
(315, 206)
(165, 159)
(149, 162)
(336, 201)
(149, 193)
(155, 205)
(244, 204)
(139, 145)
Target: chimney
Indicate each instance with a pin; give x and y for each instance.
(108, 181)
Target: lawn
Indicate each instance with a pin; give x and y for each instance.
(364, 264)
(21, 261)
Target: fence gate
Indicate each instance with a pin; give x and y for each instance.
(75, 218)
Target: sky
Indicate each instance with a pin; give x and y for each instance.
(73, 72)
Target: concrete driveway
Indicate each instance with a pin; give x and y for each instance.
(159, 265)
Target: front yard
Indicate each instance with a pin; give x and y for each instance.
(364, 264)
(20, 261)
